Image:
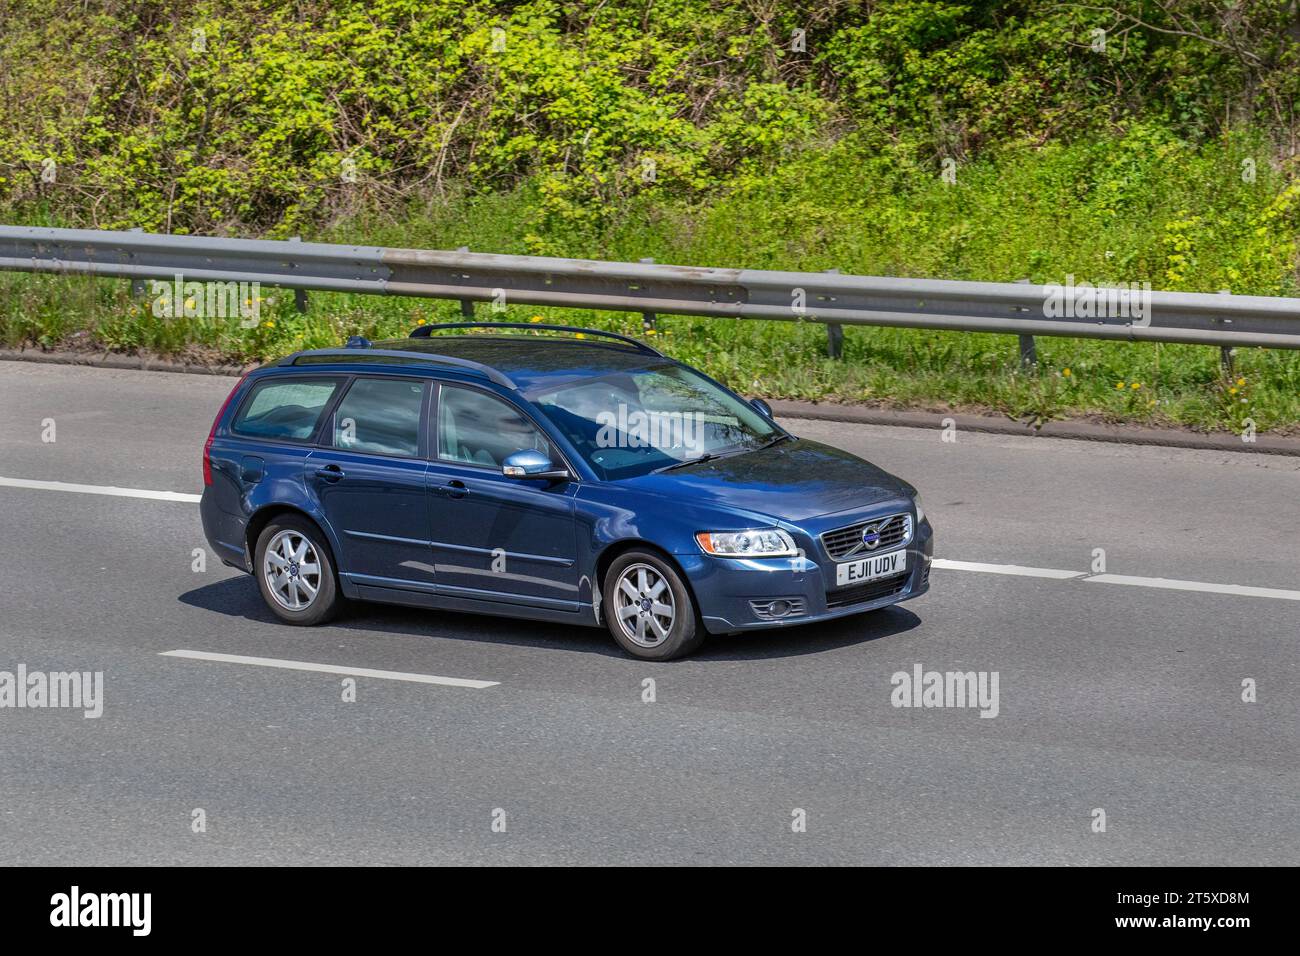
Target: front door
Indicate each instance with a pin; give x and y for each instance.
(497, 538)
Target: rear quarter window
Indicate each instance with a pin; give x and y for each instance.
(289, 410)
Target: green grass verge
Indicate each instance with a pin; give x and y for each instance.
(1137, 207)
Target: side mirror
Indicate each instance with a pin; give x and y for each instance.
(530, 463)
(763, 408)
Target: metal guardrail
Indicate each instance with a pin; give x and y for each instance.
(644, 287)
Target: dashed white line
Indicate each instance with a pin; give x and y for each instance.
(1015, 569)
(1172, 584)
(1175, 585)
(331, 669)
(98, 490)
(1058, 574)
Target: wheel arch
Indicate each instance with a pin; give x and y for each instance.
(618, 548)
(259, 519)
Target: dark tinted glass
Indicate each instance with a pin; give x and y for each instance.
(380, 416)
(477, 429)
(285, 409)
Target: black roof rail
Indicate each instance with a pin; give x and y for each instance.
(346, 355)
(424, 331)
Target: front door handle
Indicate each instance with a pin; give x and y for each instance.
(330, 472)
(452, 489)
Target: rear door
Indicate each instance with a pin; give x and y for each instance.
(369, 475)
(496, 538)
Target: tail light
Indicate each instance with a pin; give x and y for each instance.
(212, 433)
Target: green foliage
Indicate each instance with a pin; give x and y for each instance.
(1028, 213)
(1136, 142)
(280, 116)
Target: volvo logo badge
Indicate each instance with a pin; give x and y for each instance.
(871, 537)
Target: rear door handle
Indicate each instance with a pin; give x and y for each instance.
(330, 472)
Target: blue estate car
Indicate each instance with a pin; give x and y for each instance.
(584, 479)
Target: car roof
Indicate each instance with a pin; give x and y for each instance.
(526, 361)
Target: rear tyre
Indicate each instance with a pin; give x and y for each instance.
(648, 608)
(295, 572)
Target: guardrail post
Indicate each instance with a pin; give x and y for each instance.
(466, 305)
(138, 290)
(1028, 347)
(1028, 352)
(834, 335)
(1226, 351)
(299, 295)
(1225, 359)
(648, 318)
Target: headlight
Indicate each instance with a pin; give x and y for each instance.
(757, 543)
(920, 512)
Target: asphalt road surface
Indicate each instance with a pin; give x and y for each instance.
(1118, 692)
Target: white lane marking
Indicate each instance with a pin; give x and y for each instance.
(1175, 585)
(1240, 590)
(1059, 574)
(98, 490)
(330, 669)
(1016, 569)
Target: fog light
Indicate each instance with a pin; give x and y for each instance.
(779, 608)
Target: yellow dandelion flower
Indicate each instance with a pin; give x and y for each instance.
(419, 321)
(650, 332)
(1233, 390)
(535, 319)
(1066, 372)
(1119, 385)
(579, 336)
(1241, 381)
(1136, 385)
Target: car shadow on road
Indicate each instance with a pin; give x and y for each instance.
(239, 597)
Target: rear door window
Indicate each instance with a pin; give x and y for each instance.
(285, 409)
(380, 416)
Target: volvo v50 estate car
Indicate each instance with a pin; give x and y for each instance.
(558, 474)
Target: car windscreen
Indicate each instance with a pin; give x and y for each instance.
(630, 423)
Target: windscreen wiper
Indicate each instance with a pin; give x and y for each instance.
(707, 456)
(713, 456)
(784, 436)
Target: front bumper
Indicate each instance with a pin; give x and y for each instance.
(737, 594)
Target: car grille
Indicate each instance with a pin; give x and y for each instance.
(895, 531)
(870, 591)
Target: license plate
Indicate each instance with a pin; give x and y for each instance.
(868, 569)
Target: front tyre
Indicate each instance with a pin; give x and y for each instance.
(649, 609)
(295, 572)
